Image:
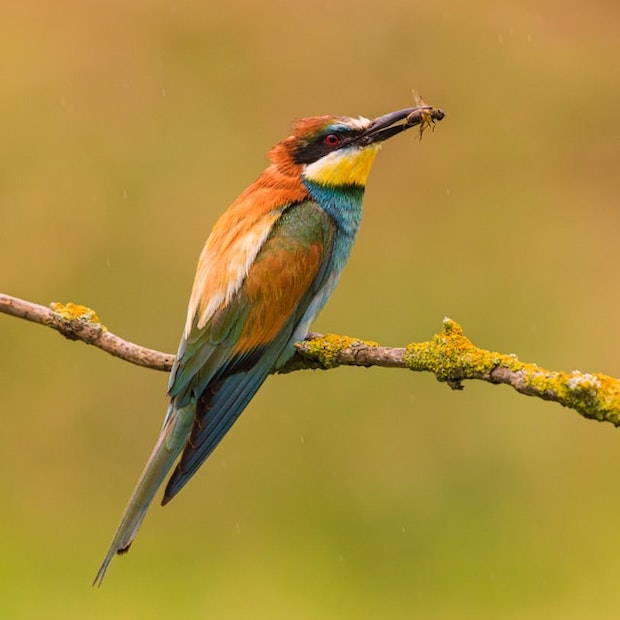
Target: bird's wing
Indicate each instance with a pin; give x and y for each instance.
(224, 362)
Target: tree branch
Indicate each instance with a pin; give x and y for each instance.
(77, 322)
(450, 356)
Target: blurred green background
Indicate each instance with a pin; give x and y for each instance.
(125, 132)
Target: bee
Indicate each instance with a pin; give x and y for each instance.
(424, 115)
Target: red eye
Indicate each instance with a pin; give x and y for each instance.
(332, 139)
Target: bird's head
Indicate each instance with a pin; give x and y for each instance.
(339, 151)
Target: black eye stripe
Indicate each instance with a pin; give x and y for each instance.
(322, 145)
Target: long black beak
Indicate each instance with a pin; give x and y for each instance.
(386, 126)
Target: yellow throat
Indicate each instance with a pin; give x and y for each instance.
(347, 166)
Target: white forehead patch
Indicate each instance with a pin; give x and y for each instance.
(360, 123)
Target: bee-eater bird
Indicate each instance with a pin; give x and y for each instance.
(268, 267)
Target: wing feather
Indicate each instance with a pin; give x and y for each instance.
(225, 361)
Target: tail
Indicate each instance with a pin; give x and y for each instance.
(168, 447)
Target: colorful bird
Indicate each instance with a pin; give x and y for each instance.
(268, 267)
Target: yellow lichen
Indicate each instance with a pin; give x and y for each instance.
(325, 349)
(450, 355)
(77, 312)
(453, 358)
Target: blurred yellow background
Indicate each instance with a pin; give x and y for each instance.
(127, 128)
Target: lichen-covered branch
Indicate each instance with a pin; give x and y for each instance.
(450, 356)
(77, 322)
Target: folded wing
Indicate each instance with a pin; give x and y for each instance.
(223, 363)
